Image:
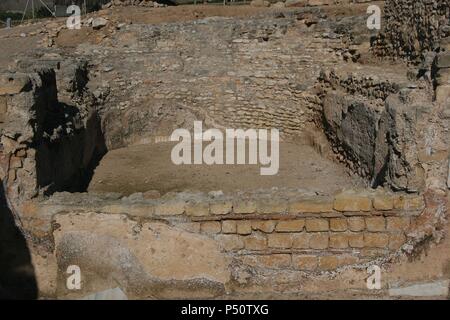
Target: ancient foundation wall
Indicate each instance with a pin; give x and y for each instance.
(412, 27)
(214, 240)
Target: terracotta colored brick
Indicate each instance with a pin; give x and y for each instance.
(338, 241)
(230, 242)
(305, 262)
(352, 202)
(312, 205)
(396, 241)
(229, 226)
(244, 207)
(397, 223)
(300, 240)
(375, 224)
(244, 227)
(315, 225)
(408, 202)
(255, 242)
(211, 227)
(290, 225)
(197, 209)
(221, 207)
(275, 261)
(376, 240)
(318, 241)
(266, 226)
(356, 224)
(280, 240)
(271, 206)
(383, 202)
(338, 224)
(356, 240)
(334, 262)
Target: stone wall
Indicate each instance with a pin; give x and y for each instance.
(412, 27)
(213, 240)
(48, 141)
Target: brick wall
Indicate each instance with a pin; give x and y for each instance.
(286, 229)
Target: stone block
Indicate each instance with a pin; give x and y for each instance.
(211, 227)
(255, 242)
(271, 206)
(244, 207)
(338, 224)
(170, 208)
(280, 240)
(244, 227)
(274, 261)
(334, 261)
(197, 209)
(318, 241)
(305, 262)
(220, 207)
(300, 240)
(229, 226)
(356, 240)
(409, 202)
(376, 240)
(267, 226)
(352, 202)
(356, 224)
(311, 205)
(374, 224)
(383, 202)
(316, 225)
(397, 223)
(338, 241)
(290, 225)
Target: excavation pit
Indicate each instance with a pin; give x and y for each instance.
(140, 168)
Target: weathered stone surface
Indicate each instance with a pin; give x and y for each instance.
(312, 205)
(352, 202)
(338, 224)
(14, 83)
(290, 225)
(314, 225)
(266, 226)
(375, 224)
(305, 262)
(138, 256)
(375, 240)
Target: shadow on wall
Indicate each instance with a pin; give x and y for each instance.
(17, 278)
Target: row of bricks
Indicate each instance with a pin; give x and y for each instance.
(315, 241)
(300, 262)
(341, 203)
(356, 224)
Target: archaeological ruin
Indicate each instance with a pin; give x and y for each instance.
(86, 116)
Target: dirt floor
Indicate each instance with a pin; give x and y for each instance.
(146, 167)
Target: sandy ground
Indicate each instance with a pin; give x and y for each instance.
(141, 168)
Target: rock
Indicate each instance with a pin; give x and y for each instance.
(99, 23)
